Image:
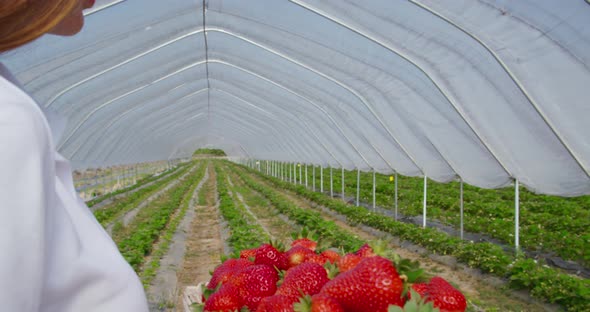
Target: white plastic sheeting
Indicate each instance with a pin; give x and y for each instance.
(489, 91)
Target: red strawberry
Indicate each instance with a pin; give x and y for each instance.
(348, 262)
(420, 288)
(269, 255)
(226, 299)
(296, 255)
(315, 258)
(445, 296)
(276, 303)
(305, 242)
(365, 251)
(331, 255)
(254, 283)
(226, 271)
(318, 303)
(371, 286)
(307, 279)
(248, 253)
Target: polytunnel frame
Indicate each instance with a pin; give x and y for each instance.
(458, 109)
(118, 117)
(294, 150)
(306, 126)
(139, 107)
(512, 76)
(300, 3)
(289, 113)
(234, 96)
(393, 50)
(505, 68)
(195, 32)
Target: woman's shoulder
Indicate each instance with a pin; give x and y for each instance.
(20, 117)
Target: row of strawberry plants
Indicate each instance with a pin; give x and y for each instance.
(138, 238)
(111, 212)
(543, 282)
(150, 269)
(306, 218)
(543, 224)
(140, 183)
(245, 234)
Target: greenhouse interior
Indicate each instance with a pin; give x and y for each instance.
(428, 155)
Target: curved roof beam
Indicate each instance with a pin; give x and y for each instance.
(66, 90)
(321, 109)
(238, 127)
(156, 126)
(239, 130)
(334, 80)
(192, 33)
(393, 50)
(118, 117)
(306, 126)
(123, 96)
(104, 7)
(112, 122)
(127, 61)
(124, 140)
(288, 113)
(513, 77)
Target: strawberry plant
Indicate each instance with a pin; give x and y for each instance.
(118, 207)
(150, 269)
(545, 283)
(139, 184)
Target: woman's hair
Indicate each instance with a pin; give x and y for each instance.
(22, 21)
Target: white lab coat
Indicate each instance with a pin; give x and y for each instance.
(54, 255)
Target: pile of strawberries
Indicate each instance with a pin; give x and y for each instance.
(265, 279)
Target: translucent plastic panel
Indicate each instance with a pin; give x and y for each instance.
(486, 91)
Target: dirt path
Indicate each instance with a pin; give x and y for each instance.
(126, 218)
(479, 289)
(163, 288)
(278, 225)
(204, 242)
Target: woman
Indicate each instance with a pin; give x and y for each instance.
(54, 256)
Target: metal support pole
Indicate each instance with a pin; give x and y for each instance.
(300, 175)
(313, 177)
(342, 181)
(321, 179)
(461, 205)
(331, 183)
(516, 215)
(295, 173)
(395, 195)
(305, 175)
(374, 189)
(424, 203)
(290, 173)
(358, 186)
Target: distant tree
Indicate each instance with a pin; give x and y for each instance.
(209, 152)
